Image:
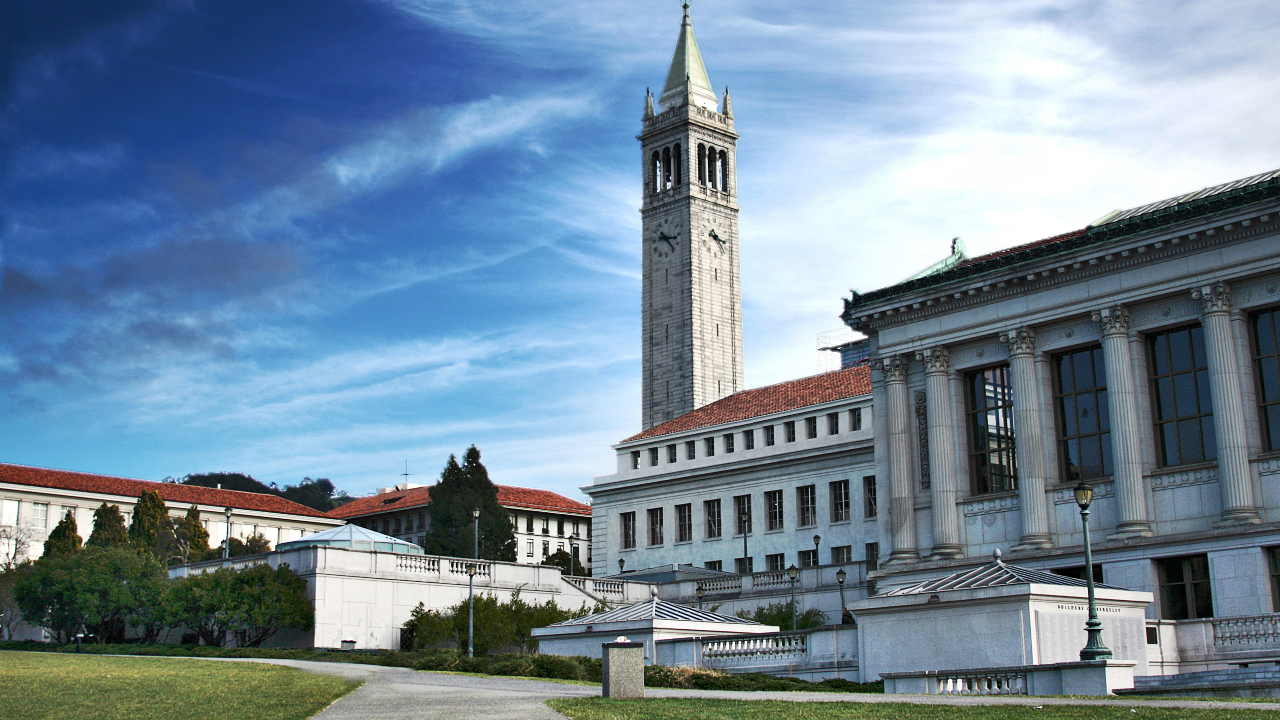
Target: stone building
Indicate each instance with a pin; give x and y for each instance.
(544, 522)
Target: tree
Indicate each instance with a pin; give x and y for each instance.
(266, 599)
(203, 603)
(192, 533)
(228, 481)
(108, 528)
(64, 539)
(151, 529)
(15, 542)
(105, 590)
(562, 559)
(427, 628)
(462, 488)
(10, 614)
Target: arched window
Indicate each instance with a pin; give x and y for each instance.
(656, 165)
(702, 164)
(666, 169)
(679, 169)
(712, 173)
(723, 167)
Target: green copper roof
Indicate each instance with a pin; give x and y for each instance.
(688, 60)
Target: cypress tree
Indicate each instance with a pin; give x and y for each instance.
(64, 539)
(192, 532)
(108, 528)
(462, 488)
(151, 529)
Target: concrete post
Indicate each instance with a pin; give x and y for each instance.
(942, 452)
(1126, 431)
(623, 670)
(902, 511)
(1029, 431)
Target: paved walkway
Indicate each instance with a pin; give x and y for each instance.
(401, 694)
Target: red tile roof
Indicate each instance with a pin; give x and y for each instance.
(508, 496)
(782, 397)
(169, 492)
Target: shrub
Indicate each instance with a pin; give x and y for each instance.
(779, 614)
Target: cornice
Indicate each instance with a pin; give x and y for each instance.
(1045, 273)
(687, 114)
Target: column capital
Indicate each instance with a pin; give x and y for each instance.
(1021, 341)
(894, 368)
(1215, 298)
(1114, 320)
(935, 360)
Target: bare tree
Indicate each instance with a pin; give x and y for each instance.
(15, 544)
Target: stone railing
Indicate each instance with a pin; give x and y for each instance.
(770, 579)
(459, 567)
(1243, 633)
(720, 586)
(418, 563)
(982, 682)
(755, 649)
(596, 587)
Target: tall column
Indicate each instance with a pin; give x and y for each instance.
(943, 460)
(1126, 428)
(902, 510)
(1028, 426)
(1234, 477)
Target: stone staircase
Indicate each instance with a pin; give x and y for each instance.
(1261, 681)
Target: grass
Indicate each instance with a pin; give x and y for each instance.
(88, 687)
(704, 709)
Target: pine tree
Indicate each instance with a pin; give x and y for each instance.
(192, 532)
(108, 528)
(65, 538)
(151, 529)
(462, 488)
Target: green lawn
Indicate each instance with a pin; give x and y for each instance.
(699, 709)
(89, 687)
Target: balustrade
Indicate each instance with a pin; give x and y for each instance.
(755, 647)
(999, 682)
(1252, 631)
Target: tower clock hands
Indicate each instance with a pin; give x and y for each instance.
(667, 239)
(716, 237)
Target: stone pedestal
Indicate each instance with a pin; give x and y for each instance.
(623, 670)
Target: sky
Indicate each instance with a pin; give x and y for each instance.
(327, 239)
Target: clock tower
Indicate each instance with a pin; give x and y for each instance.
(692, 346)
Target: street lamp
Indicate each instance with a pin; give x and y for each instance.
(475, 517)
(793, 572)
(1093, 649)
(744, 521)
(845, 615)
(471, 610)
(226, 545)
(621, 563)
(816, 540)
(700, 592)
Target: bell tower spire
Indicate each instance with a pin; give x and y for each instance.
(692, 305)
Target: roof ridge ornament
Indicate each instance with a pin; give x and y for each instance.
(995, 556)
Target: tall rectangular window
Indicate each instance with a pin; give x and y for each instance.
(546, 524)
(811, 428)
(869, 508)
(560, 527)
(790, 428)
(871, 553)
(684, 522)
(742, 514)
(655, 526)
(40, 515)
(768, 435)
(671, 453)
(1184, 587)
(653, 457)
(839, 500)
(728, 442)
(1273, 561)
(710, 447)
(1084, 422)
(714, 565)
(690, 450)
(712, 510)
(842, 555)
(855, 419)
(1266, 359)
(546, 544)
(991, 452)
(774, 563)
(635, 459)
(1181, 405)
(749, 439)
(773, 507)
(833, 423)
(529, 549)
(628, 532)
(807, 558)
(743, 566)
(807, 504)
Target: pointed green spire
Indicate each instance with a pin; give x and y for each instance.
(687, 61)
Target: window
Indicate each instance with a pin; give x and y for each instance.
(709, 446)
(807, 501)
(684, 523)
(855, 419)
(871, 553)
(1273, 560)
(749, 439)
(869, 497)
(546, 525)
(628, 532)
(1077, 572)
(588, 531)
(811, 428)
(1266, 358)
(768, 435)
(635, 459)
(1184, 587)
(40, 515)
(690, 450)
(546, 547)
(559, 547)
(991, 453)
(653, 457)
(408, 523)
(742, 514)
(1181, 406)
(728, 442)
(790, 428)
(396, 531)
(833, 423)
(1084, 423)
(808, 558)
(839, 500)
(671, 453)
(529, 549)
(774, 563)
(712, 510)
(72, 509)
(655, 526)
(560, 527)
(842, 555)
(743, 566)
(714, 565)
(773, 507)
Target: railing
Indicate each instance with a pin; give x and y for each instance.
(781, 646)
(1244, 632)
(418, 563)
(598, 587)
(981, 682)
(722, 585)
(459, 567)
(777, 578)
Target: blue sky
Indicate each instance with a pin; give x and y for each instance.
(323, 239)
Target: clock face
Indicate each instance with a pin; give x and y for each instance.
(715, 235)
(664, 236)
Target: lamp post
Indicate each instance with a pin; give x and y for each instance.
(744, 520)
(816, 540)
(226, 545)
(622, 562)
(700, 592)
(475, 517)
(1093, 649)
(471, 610)
(793, 572)
(845, 615)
